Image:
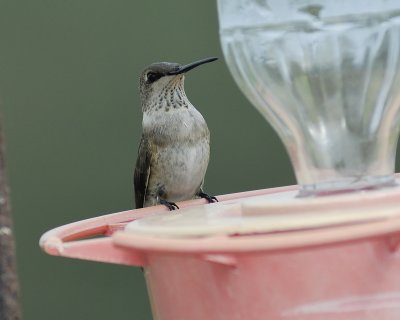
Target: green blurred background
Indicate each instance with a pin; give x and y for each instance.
(69, 96)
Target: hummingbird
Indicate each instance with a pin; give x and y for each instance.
(174, 149)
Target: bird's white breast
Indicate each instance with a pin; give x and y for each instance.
(180, 138)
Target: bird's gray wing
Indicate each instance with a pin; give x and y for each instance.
(142, 172)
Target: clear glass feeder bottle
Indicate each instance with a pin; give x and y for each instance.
(326, 75)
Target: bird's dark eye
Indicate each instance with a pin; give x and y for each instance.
(152, 76)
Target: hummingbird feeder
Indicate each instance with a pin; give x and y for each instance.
(326, 76)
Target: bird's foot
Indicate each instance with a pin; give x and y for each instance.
(170, 205)
(210, 199)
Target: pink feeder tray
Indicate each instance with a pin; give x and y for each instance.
(255, 255)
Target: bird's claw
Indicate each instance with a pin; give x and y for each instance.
(210, 199)
(170, 205)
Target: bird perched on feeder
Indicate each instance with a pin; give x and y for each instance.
(175, 147)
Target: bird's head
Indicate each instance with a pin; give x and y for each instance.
(161, 79)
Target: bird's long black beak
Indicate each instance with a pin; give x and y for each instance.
(190, 66)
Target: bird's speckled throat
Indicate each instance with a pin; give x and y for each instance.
(170, 95)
